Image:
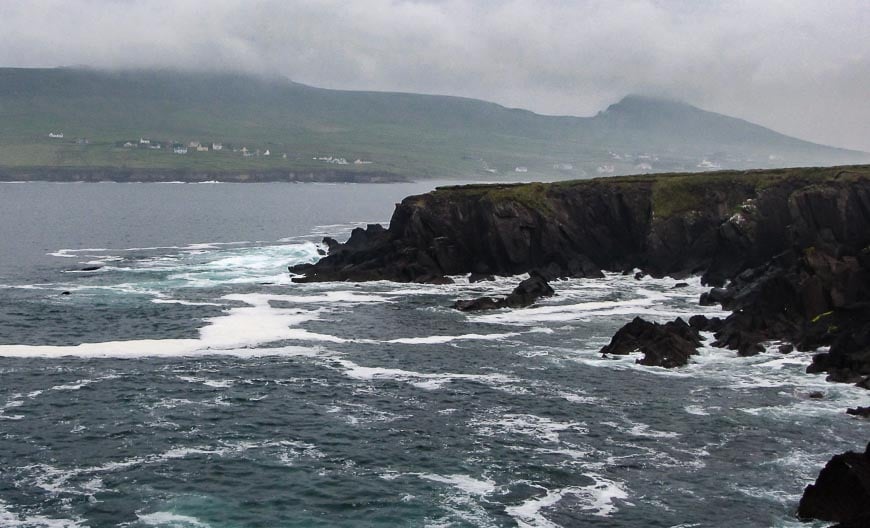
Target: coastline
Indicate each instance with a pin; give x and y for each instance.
(137, 175)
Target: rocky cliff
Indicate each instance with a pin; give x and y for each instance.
(716, 224)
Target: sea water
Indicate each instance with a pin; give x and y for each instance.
(187, 382)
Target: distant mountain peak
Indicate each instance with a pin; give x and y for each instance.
(636, 103)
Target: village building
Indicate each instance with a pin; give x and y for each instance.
(216, 146)
(521, 169)
(55, 135)
(143, 141)
(180, 150)
(267, 153)
(129, 144)
(202, 148)
(194, 144)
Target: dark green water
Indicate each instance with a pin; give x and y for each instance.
(188, 383)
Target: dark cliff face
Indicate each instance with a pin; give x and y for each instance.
(716, 224)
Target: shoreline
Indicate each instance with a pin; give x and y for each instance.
(136, 175)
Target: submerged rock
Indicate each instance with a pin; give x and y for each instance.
(862, 412)
(841, 493)
(525, 294)
(666, 345)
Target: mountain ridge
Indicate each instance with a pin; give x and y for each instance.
(418, 135)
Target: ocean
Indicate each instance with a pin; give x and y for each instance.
(158, 368)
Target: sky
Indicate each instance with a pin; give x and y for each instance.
(800, 67)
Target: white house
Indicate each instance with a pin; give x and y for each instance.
(55, 135)
(707, 164)
(267, 153)
(194, 144)
(521, 169)
(217, 146)
(129, 144)
(180, 150)
(143, 141)
(202, 148)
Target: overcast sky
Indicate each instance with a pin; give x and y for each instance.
(800, 67)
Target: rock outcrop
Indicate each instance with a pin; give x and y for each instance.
(715, 224)
(841, 493)
(525, 294)
(663, 345)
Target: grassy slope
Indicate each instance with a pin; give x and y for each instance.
(410, 134)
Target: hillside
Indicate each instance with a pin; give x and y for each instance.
(408, 134)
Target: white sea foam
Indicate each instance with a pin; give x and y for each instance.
(464, 483)
(241, 327)
(538, 427)
(10, 519)
(595, 499)
(441, 339)
(697, 410)
(170, 520)
(184, 303)
(218, 384)
(429, 381)
(642, 429)
(12, 403)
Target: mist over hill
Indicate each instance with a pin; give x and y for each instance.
(276, 124)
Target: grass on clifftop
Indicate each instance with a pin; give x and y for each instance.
(672, 193)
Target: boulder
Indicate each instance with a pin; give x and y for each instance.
(525, 294)
(663, 345)
(862, 412)
(841, 492)
(703, 323)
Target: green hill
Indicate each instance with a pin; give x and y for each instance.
(409, 134)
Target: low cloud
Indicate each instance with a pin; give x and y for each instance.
(800, 67)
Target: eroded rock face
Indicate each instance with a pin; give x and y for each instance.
(717, 225)
(525, 294)
(663, 345)
(810, 298)
(841, 493)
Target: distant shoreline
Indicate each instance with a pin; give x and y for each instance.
(137, 175)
